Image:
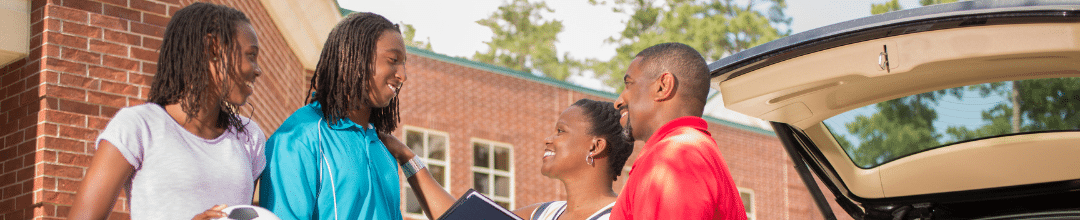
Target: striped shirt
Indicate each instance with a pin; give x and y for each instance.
(552, 210)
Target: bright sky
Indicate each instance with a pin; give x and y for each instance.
(451, 26)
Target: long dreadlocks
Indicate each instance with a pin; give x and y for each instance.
(346, 67)
(183, 74)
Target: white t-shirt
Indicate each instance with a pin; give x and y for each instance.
(178, 174)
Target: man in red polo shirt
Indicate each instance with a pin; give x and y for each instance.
(680, 173)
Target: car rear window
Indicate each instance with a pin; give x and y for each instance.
(876, 134)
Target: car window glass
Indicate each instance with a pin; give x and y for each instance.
(876, 134)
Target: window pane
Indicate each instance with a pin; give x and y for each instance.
(502, 186)
(480, 183)
(504, 204)
(412, 204)
(437, 147)
(415, 141)
(502, 158)
(480, 155)
(439, 173)
(747, 202)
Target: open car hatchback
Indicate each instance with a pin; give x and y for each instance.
(967, 110)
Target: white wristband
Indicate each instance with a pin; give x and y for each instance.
(414, 165)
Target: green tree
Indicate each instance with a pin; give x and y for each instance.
(1043, 104)
(1051, 104)
(714, 28)
(882, 8)
(523, 40)
(894, 5)
(410, 34)
(899, 127)
(934, 2)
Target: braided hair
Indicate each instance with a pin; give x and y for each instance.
(183, 73)
(347, 65)
(604, 120)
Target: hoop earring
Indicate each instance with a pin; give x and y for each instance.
(589, 159)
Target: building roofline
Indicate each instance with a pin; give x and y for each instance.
(739, 126)
(344, 12)
(510, 72)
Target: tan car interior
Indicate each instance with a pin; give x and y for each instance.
(808, 89)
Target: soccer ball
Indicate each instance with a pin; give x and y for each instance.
(248, 212)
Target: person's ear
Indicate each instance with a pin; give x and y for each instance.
(665, 86)
(599, 145)
(212, 47)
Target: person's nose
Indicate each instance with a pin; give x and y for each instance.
(257, 70)
(402, 75)
(619, 102)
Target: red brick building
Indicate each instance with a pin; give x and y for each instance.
(71, 64)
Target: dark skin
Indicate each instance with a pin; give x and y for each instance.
(434, 200)
(384, 84)
(109, 170)
(588, 186)
(650, 99)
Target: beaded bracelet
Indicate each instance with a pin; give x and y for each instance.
(414, 165)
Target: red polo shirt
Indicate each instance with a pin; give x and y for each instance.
(680, 174)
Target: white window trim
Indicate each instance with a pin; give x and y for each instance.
(752, 215)
(446, 177)
(492, 170)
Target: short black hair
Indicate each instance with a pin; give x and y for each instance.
(346, 66)
(183, 71)
(604, 120)
(684, 62)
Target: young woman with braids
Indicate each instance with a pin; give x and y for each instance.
(586, 153)
(186, 150)
(326, 161)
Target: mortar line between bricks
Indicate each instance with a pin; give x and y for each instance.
(59, 137)
(59, 177)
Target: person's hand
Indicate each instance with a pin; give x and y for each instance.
(212, 213)
(397, 148)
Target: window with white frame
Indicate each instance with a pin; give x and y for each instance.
(432, 147)
(493, 171)
(747, 196)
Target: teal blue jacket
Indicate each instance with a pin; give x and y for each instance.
(347, 170)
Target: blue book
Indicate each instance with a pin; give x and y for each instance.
(474, 205)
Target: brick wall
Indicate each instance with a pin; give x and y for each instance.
(19, 128)
(18, 131)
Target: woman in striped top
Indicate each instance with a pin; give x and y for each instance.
(587, 154)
